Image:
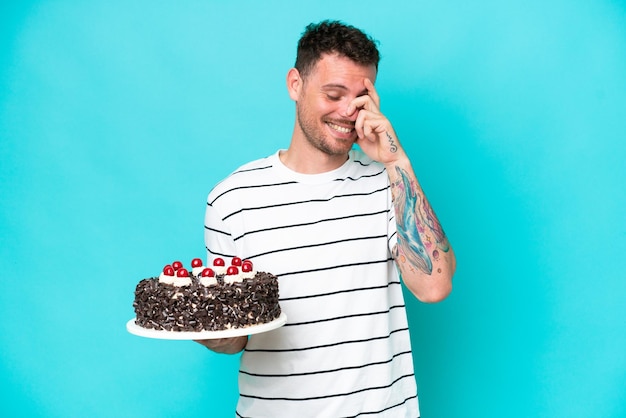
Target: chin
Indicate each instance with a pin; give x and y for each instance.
(344, 146)
(337, 149)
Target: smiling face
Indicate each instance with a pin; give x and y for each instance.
(321, 102)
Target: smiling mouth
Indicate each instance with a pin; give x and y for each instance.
(339, 128)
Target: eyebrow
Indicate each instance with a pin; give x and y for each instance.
(331, 86)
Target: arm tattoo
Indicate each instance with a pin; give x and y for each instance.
(417, 226)
(392, 144)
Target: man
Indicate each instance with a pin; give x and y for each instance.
(335, 225)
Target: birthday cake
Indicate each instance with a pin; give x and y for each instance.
(202, 298)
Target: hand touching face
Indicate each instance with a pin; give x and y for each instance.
(375, 135)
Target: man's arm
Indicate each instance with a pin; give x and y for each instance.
(423, 254)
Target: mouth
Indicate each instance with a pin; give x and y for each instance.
(345, 130)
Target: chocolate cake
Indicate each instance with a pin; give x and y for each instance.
(207, 299)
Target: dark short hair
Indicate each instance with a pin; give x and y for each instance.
(331, 36)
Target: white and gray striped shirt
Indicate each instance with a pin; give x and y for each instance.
(345, 350)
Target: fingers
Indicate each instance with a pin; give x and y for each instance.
(369, 101)
(225, 345)
(370, 124)
(367, 106)
(371, 92)
(359, 126)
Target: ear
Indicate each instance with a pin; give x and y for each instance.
(294, 84)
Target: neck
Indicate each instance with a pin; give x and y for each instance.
(308, 160)
(303, 157)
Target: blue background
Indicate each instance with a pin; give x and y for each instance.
(117, 117)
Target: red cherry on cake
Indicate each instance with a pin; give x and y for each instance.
(232, 270)
(219, 262)
(177, 265)
(207, 272)
(246, 267)
(182, 272)
(196, 262)
(168, 270)
(236, 261)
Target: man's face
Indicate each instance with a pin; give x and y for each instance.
(325, 95)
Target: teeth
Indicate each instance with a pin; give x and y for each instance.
(340, 128)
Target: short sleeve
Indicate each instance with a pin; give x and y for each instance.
(218, 239)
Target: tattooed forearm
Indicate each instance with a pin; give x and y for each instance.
(429, 218)
(410, 245)
(392, 144)
(418, 226)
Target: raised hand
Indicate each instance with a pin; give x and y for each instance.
(376, 135)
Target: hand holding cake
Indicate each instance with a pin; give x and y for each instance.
(225, 345)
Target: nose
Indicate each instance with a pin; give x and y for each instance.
(348, 111)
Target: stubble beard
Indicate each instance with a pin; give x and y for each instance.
(313, 132)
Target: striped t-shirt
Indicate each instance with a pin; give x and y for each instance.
(345, 350)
